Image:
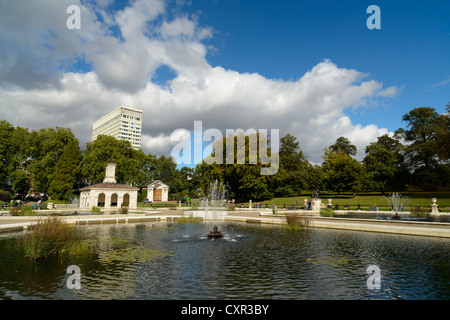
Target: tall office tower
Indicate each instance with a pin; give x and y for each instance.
(123, 123)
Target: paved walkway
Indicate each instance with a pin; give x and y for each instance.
(430, 229)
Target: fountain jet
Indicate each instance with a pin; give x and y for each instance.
(396, 202)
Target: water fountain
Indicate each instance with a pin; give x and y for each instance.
(396, 202)
(214, 206)
(215, 233)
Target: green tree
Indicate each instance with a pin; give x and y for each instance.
(423, 127)
(443, 137)
(252, 185)
(402, 171)
(344, 145)
(341, 172)
(132, 166)
(166, 171)
(380, 166)
(316, 177)
(190, 180)
(243, 178)
(292, 176)
(66, 172)
(7, 145)
(20, 183)
(45, 148)
(14, 158)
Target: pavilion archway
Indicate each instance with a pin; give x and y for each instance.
(126, 200)
(101, 200)
(114, 200)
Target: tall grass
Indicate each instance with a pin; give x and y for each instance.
(296, 221)
(189, 219)
(52, 237)
(327, 212)
(420, 212)
(22, 211)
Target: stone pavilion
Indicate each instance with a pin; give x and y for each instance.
(109, 194)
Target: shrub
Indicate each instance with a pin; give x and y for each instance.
(95, 209)
(27, 211)
(5, 196)
(52, 237)
(14, 211)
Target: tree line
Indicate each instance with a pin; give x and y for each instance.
(51, 161)
(417, 155)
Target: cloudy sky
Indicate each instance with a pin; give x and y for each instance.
(309, 68)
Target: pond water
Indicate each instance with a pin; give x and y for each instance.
(388, 216)
(178, 261)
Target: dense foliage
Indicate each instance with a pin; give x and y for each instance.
(51, 161)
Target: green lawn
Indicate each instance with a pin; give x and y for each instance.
(367, 199)
(364, 199)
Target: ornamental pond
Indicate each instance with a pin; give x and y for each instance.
(170, 260)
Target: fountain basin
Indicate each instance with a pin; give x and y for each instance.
(250, 262)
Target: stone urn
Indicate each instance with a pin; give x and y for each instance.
(434, 206)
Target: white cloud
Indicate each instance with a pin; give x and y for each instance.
(312, 107)
(439, 84)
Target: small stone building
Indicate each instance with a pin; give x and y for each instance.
(157, 191)
(109, 194)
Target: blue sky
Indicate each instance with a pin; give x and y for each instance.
(283, 39)
(411, 50)
(309, 68)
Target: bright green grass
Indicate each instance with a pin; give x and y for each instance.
(367, 199)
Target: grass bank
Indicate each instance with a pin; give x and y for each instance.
(366, 199)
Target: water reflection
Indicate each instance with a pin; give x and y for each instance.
(250, 262)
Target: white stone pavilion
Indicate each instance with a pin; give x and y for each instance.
(109, 194)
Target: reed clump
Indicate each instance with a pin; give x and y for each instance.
(52, 237)
(297, 221)
(421, 212)
(327, 212)
(22, 211)
(189, 219)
